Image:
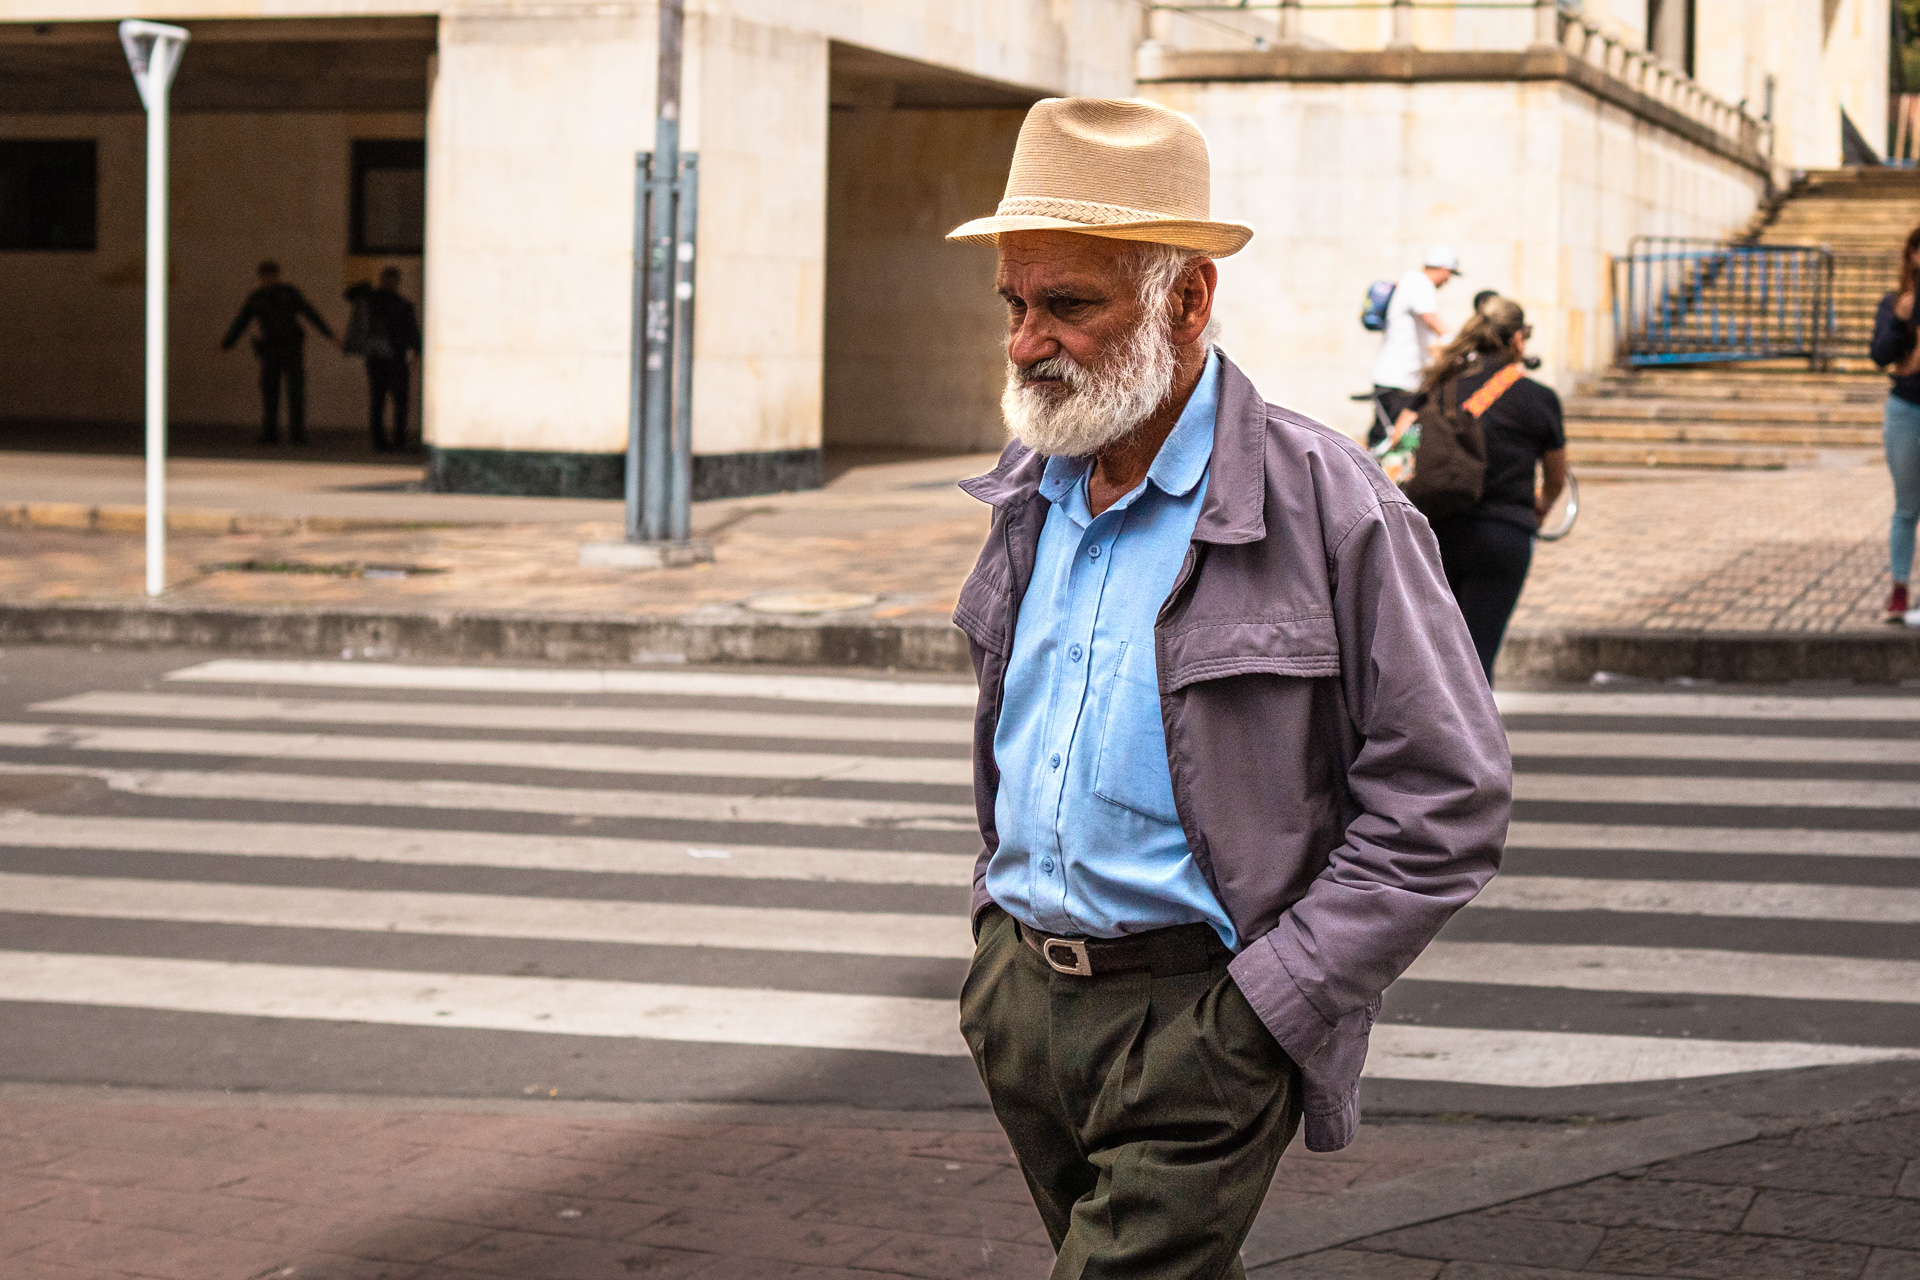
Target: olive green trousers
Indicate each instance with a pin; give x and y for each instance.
(1147, 1113)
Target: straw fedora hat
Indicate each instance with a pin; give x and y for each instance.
(1105, 167)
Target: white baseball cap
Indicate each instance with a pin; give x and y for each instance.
(1443, 256)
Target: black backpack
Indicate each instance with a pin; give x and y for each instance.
(1440, 462)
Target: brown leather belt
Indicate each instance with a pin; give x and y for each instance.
(1166, 953)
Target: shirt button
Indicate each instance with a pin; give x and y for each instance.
(1046, 865)
(1093, 551)
(1055, 760)
(1074, 653)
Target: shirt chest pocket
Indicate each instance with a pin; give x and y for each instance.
(1131, 768)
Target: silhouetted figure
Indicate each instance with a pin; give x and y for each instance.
(386, 332)
(279, 343)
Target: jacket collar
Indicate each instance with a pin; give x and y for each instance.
(1015, 479)
(1234, 508)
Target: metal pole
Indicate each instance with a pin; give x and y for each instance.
(680, 497)
(657, 426)
(157, 344)
(636, 364)
(153, 52)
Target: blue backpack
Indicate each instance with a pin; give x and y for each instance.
(1373, 317)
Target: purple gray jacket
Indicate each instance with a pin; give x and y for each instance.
(1338, 764)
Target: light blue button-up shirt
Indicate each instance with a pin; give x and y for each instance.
(1090, 843)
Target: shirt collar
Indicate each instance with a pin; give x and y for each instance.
(1183, 457)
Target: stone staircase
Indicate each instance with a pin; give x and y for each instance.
(1769, 414)
(1723, 416)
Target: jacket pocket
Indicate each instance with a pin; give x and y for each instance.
(983, 609)
(1131, 770)
(1297, 645)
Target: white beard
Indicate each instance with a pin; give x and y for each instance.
(1095, 407)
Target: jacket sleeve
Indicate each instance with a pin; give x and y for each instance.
(239, 325)
(314, 317)
(1431, 787)
(1892, 336)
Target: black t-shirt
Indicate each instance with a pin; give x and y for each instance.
(1522, 424)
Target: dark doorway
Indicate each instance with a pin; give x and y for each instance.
(297, 140)
(913, 331)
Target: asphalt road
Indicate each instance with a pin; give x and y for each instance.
(738, 885)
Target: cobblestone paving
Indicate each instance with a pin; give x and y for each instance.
(1776, 551)
(1832, 1202)
(1745, 551)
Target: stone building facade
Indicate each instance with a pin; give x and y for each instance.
(487, 149)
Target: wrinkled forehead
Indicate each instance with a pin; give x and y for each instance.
(1061, 259)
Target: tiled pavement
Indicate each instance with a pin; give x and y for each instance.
(1798, 551)
(1826, 1202)
(195, 1192)
(182, 1191)
(1795, 551)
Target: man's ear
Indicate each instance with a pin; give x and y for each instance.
(1197, 289)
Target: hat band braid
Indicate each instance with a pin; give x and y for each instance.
(1090, 212)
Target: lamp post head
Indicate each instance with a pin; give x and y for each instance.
(153, 51)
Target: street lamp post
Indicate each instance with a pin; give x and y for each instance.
(153, 51)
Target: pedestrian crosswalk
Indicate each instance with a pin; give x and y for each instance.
(740, 863)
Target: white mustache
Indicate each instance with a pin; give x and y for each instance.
(1061, 366)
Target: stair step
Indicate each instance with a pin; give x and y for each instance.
(1752, 411)
(1588, 430)
(1719, 385)
(1584, 453)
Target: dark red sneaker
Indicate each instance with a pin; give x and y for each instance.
(1897, 603)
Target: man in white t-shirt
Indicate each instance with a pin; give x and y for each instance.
(1413, 330)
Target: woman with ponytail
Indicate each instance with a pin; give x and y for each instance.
(1487, 550)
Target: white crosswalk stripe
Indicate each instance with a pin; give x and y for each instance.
(562, 1006)
(481, 849)
(442, 793)
(1783, 841)
(689, 684)
(705, 723)
(1671, 971)
(345, 821)
(488, 752)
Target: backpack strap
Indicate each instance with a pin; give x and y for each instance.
(1495, 387)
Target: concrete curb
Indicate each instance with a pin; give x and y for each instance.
(726, 634)
(78, 517)
(707, 636)
(1562, 1161)
(1742, 657)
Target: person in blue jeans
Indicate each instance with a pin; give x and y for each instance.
(1894, 348)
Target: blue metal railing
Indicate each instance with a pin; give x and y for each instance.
(1679, 301)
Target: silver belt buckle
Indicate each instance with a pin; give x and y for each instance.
(1076, 963)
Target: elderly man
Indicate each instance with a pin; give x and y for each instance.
(1234, 758)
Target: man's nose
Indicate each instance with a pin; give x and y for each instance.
(1031, 339)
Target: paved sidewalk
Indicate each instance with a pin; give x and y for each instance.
(365, 1190)
(894, 540)
(1821, 1202)
(1658, 557)
(116, 1185)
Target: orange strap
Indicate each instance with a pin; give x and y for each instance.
(1495, 387)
